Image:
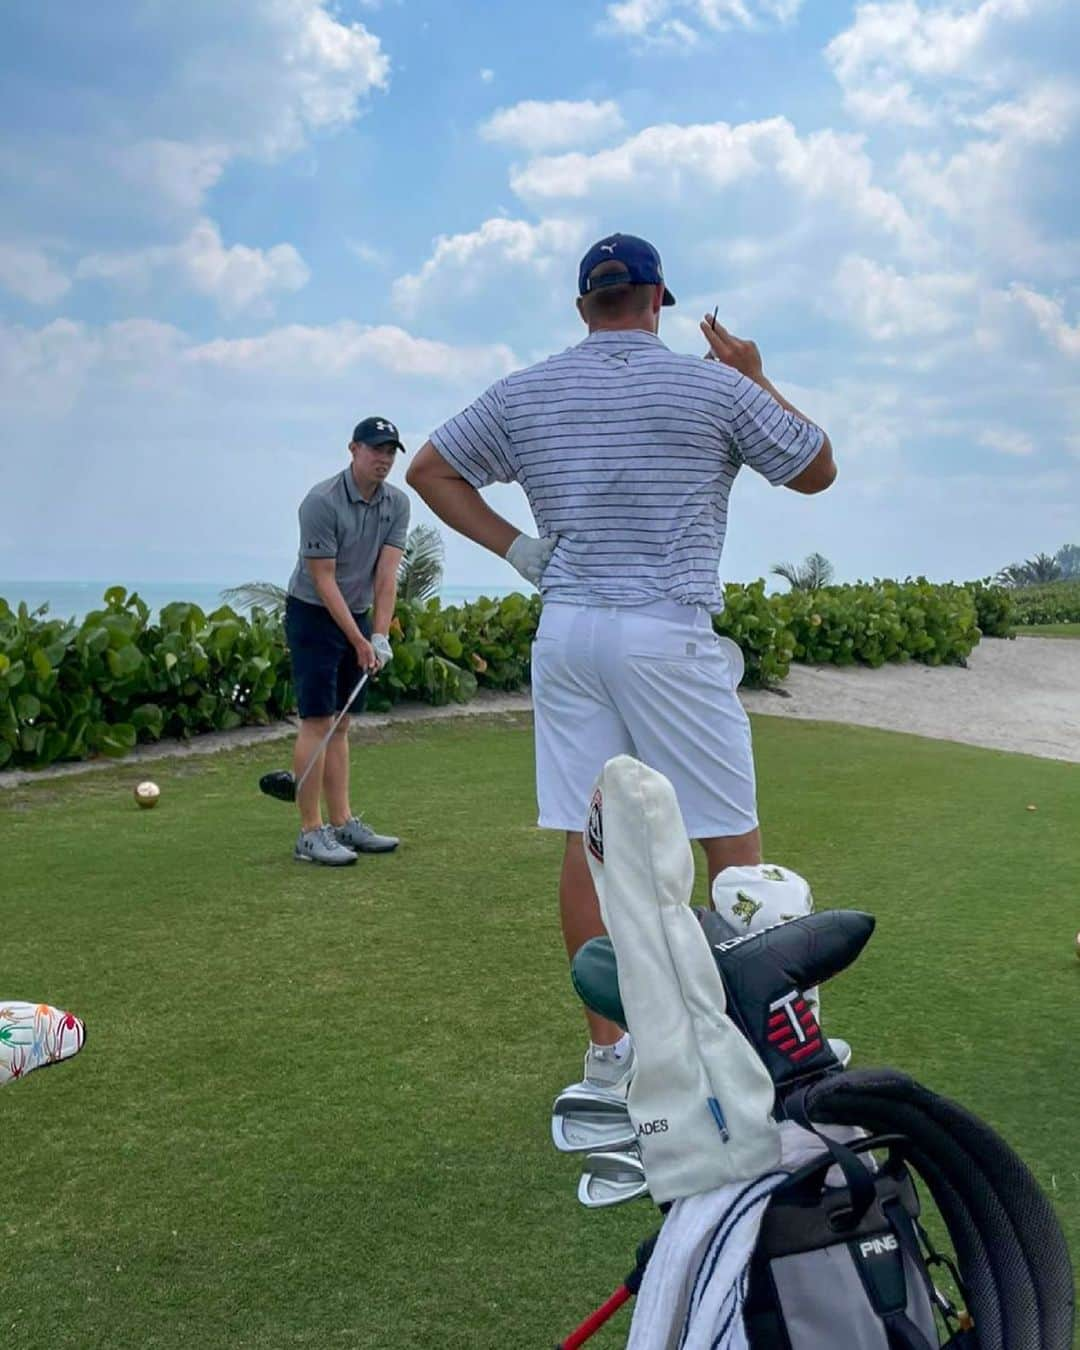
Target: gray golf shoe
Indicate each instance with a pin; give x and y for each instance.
(361, 838)
(322, 846)
(603, 1070)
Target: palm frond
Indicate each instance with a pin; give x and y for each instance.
(811, 575)
(421, 571)
(790, 573)
(262, 594)
(1043, 568)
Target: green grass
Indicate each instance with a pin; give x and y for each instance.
(313, 1108)
(1056, 630)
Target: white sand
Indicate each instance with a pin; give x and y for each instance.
(1022, 695)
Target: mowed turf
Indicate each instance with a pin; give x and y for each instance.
(313, 1107)
(1056, 630)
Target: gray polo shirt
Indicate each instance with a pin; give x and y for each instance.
(336, 522)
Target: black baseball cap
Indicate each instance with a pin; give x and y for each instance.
(641, 265)
(377, 431)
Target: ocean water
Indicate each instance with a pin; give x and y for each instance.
(75, 599)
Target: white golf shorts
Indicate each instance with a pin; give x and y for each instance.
(653, 681)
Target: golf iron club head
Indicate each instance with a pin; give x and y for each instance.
(612, 1178)
(280, 784)
(584, 1119)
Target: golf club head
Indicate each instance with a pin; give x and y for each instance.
(584, 1119)
(612, 1178)
(280, 784)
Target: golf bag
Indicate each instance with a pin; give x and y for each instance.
(825, 1259)
(849, 1264)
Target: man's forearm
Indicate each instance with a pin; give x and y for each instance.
(385, 600)
(765, 383)
(330, 594)
(459, 505)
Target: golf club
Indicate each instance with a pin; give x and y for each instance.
(281, 783)
(584, 1119)
(611, 1179)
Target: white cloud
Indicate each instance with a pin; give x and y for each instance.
(1050, 316)
(333, 349)
(365, 253)
(486, 76)
(891, 43)
(257, 85)
(179, 173)
(889, 305)
(535, 126)
(675, 163)
(332, 65)
(682, 22)
(236, 278)
(28, 273)
(463, 263)
(1007, 441)
(982, 188)
(902, 35)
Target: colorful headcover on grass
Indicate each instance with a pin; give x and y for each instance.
(33, 1035)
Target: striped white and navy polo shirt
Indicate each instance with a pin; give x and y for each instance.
(627, 451)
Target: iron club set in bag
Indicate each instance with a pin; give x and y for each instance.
(281, 782)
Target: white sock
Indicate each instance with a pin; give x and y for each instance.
(618, 1051)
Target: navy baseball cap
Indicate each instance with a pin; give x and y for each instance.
(377, 431)
(641, 265)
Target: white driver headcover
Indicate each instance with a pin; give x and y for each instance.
(752, 898)
(700, 1098)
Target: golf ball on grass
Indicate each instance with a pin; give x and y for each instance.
(147, 794)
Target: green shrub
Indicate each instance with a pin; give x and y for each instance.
(72, 690)
(757, 623)
(994, 608)
(1056, 602)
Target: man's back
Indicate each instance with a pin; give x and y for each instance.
(627, 451)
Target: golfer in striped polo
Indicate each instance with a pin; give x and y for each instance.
(627, 453)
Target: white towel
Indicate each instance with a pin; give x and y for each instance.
(692, 1295)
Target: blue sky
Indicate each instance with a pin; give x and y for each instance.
(231, 231)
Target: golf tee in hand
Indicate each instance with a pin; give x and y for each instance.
(531, 556)
(739, 353)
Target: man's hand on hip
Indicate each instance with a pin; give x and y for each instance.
(381, 645)
(530, 556)
(739, 353)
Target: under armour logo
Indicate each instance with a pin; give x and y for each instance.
(609, 247)
(383, 426)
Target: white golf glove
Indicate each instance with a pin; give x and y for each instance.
(381, 643)
(530, 556)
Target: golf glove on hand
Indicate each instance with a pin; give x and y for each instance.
(530, 556)
(381, 643)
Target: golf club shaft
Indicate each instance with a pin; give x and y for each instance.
(596, 1320)
(333, 727)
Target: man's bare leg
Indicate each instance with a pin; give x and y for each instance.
(336, 775)
(312, 730)
(733, 850)
(580, 912)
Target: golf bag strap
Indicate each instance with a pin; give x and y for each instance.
(889, 1295)
(860, 1182)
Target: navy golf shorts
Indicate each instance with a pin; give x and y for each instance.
(324, 666)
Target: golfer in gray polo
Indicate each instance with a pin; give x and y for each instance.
(341, 597)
